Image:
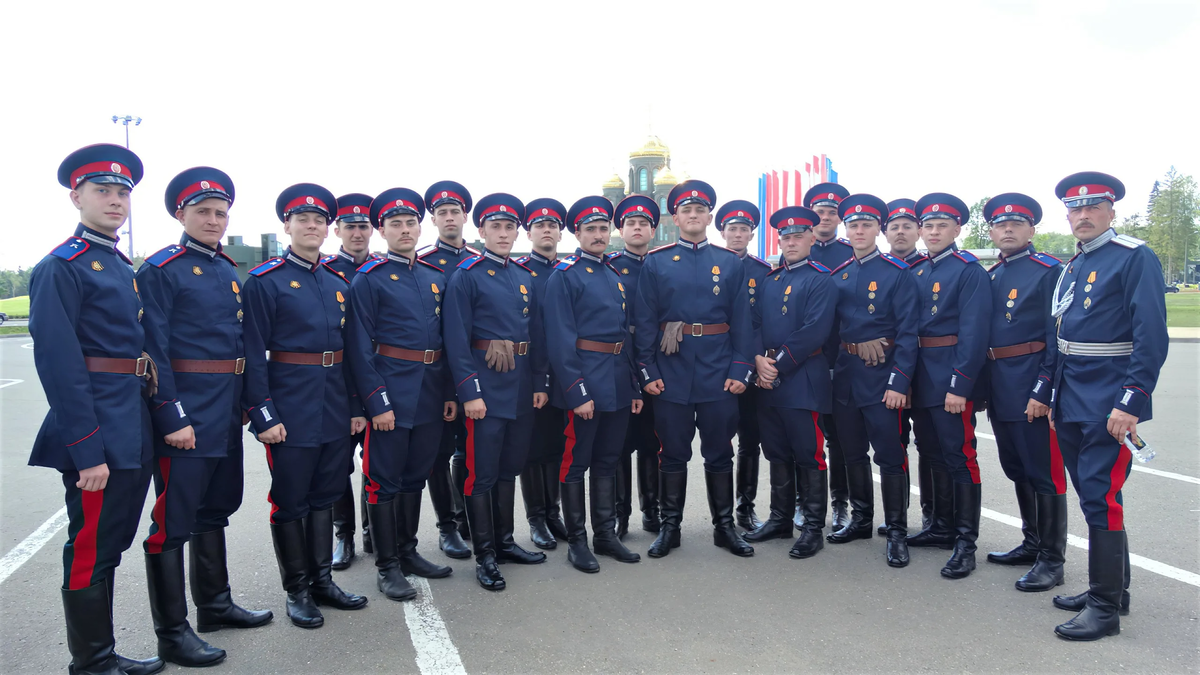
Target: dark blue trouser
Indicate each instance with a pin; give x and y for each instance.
(496, 450)
(1099, 466)
(547, 440)
(954, 437)
(676, 425)
(873, 427)
(792, 435)
(399, 460)
(749, 434)
(102, 525)
(193, 494)
(1029, 453)
(306, 479)
(640, 435)
(925, 437)
(594, 444)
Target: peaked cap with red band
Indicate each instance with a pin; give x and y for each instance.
(499, 205)
(395, 202)
(738, 211)
(545, 208)
(861, 206)
(691, 192)
(588, 209)
(447, 192)
(354, 208)
(305, 197)
(827, 194)
(1089, 187)
(942, 205)
(794, 219)
(100, 163)
(637, 205)
(196, 184)
(901, 208)
(1012, 206)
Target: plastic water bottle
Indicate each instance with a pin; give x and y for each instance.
(1139, 448)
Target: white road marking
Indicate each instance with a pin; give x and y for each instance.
(23, 551)
(9, 383)
(1140, 469)
(27, 345)
(436, 654)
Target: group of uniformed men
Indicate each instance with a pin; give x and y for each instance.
(464, 370)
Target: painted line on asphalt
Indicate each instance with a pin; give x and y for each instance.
(1135, 560)
(436, 653)
(23, 551)
(1140, 469)
(9, 383)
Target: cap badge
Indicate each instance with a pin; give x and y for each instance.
(791, 221)
(858, 209)
(1082, 188)
(641, 209)
(115, 167)
(310, 200)
(903, 210)
(1008, 209)
(204, 185)
(936, 207)
(545, 212)
(832, 196)
(503, 209)
(595, 209)
(695, 194)
(741, 214)
(358, 209)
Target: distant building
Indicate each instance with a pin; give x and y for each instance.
(649, 175)
(247, 257)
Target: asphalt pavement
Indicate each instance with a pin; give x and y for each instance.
(699, 610)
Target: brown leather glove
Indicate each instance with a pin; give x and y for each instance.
(672, 336)
(499, 356)
(151, 376)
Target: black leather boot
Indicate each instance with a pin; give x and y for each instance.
(720, 505)
(366, 518)
(554, 520)
(747, 490)
(1047, 572)
(408, 519)
(966, 528)
(177, 642)
(925, 488)
(574, 505)
(862, 499)
(90, 631)
(672, 494)
(814, 487)
(504, 496)
(939, 533)
(533, 493)
(1026, 552)
(840, 491)
(783, 500)
(883, 527)
(1076, 603)
(208, 572)
(129, 666)
(343, 528)
(1100, 617)
(458, 505)
(604, 521)
(895, 514)
(318, 531)
(388, 577)
(798, 516)
(450, 541)
(624, 483)
(647, 467)
(291, 552)
(479, 512)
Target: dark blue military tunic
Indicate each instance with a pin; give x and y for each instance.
(831, 253)
(344, 262)
(446, 257)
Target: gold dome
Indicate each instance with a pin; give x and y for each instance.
(653, 148)
(615, 182)
(665, 177)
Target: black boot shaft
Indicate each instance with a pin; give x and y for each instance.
(604, 521)
(533, 492)
(574, 505)
(1106, 572)
(967, 497)
(208, 572)
(408, 521)
(504, 496)
(177, 642)
(895, 514)
(940, 532)
(783, 500)
(479, 512)
(720, 506)
(746, 490)
(647, 468)
(862, 501)
(291, 552)
(90, 630)
(318, 533)
(388, 577)
(672, 495)
(813, 490)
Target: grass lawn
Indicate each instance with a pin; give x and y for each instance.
(16, 308)
(1183, 309)
(14, 330)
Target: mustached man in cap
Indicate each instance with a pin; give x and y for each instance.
(449, 203)
(352, 226)
(636, 217)
(1021, 364)
(394, 347)
(695, 341)
(497, 351)
(1112, 343)
(544, 222)
(301, 400)
(792, 306)
(85, 318)
(736, 221)
(955, 315)
(587, 329)
(193, 326)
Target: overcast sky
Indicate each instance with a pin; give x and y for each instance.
(547, 99)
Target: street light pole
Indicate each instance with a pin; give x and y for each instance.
(125, 121)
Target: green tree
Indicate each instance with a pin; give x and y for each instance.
(1056, 244)
(977, 227)
(1171, 224)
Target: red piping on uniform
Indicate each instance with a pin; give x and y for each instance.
(84, 438)
(158, 514)
(568, 447)
(968, 446)
(820, 454)
(1116, 480)
(83, 562)
(469, 484)
(900, 434)
(1138, 389)
(1057, 472)
(271, 468)
(372, 487)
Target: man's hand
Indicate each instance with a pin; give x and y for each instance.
(384, 421)
(184, 439)
(955, 404)
(540, 399)
(637, 405)
(585, 411)
(735, 387)
(357, 425)
(274, 435)
(476, 409)
(654, 388)
(765, 367)
(894, 400)
(450, 410)
(93, 479)
(1119, 422)
(765, 384)
(871, 352)
(1035, 409)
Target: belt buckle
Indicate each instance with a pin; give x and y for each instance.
(617, 347)
(522, 348)
(991, 353)
(326, 359)
(239, 366)
(428, 357)
(697, 330)
(141, 364)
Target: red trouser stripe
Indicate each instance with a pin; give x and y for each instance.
(1116, 480)
(1057, 472)
(158, 514)
(568, 447)
(83, 560)
(469, 484)
(968, 447)
(820, 454)
(372, 487)
(271, 468)
(900, 434)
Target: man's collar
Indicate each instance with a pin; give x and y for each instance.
(627, 253)
(799, 263)
(867, 258)
(85, 232)
(447, 247)
(534, 255)
(818, 242)
(950, 250)
(692, 245)
(742, 255)
(292, 257)
(498, 259)
(396, 257)
(1088, 247)
(588, 256)
(1018, 255)
(341, 253)
(199, 247)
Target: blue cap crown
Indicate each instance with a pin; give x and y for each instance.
(691, 192)
(545, 208)
(794, 219)
(1089, 187)
(942, 205)
(196, 184)
(305, 197)
(901, 208)
(1012, 206)
(637, 205)
(353, 208)
(861, 207)
(737, 211)
(825, 194)
(499, 205)
(447, 192)
(588, 209)
(394, 202)
(100, 163)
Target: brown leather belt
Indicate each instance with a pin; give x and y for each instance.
(426, 356)
(601, 347)
(701, 329)
(944, 341)
(519, 348)
(220, 367)
(1022, 349)
(323, 359)
(770, 353)
(852, 347)
(103, 364)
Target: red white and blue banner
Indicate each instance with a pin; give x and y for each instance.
(777, 189)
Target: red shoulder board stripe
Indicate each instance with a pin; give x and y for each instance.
(518, 264)
(839, 267)
(662, 248)
(226, 256)
(819, 266)
(369, 265)
(71, 248)
(265, 267)
(431, 265)
(166, 255)
(343, 276)
(894, 260)
(1045, 259)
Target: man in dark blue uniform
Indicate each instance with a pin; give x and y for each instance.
(1020, 371)
(539, 479)
(955, 315)
(830, 251)
(587, 304)
(637, 217)
(193, 325)
(694, 347)
(394, 347)
(497, 351)
(449, 203)
(352, 226)
(1112, 343)
(300, 400)
(85, 319)
(736, 221)
(791, 306)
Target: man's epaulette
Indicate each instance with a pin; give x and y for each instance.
(71, 248)
(523, 259)
(166, 255)
(845, 241)
(966, 256)
(839, 267)
(777, 269)
(1127, 241)
(759, 260)
(819, 267)
(426, 250)
(1045, 259)
(614, 255)
(334, 271)
(565, 263)
(428, 265)
(265, 267)
(122, 256)
(894, 260)
(369, 265)
(522, 266)
(329, 258)
(473, 251)
(662, 248)
(467, 263)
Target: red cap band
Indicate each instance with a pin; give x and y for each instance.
(305, 201)
(1012, 208)
(545, 213)
(595, 210)
(344, 211)
(196, 188)
(496, 208)
(942, 209)
(692, 194)
(638, 210)
(446, 194)
(863, 208)
(795, 221)
(742, 215)
(1089, 191)
(903, 211)
(99, 167)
